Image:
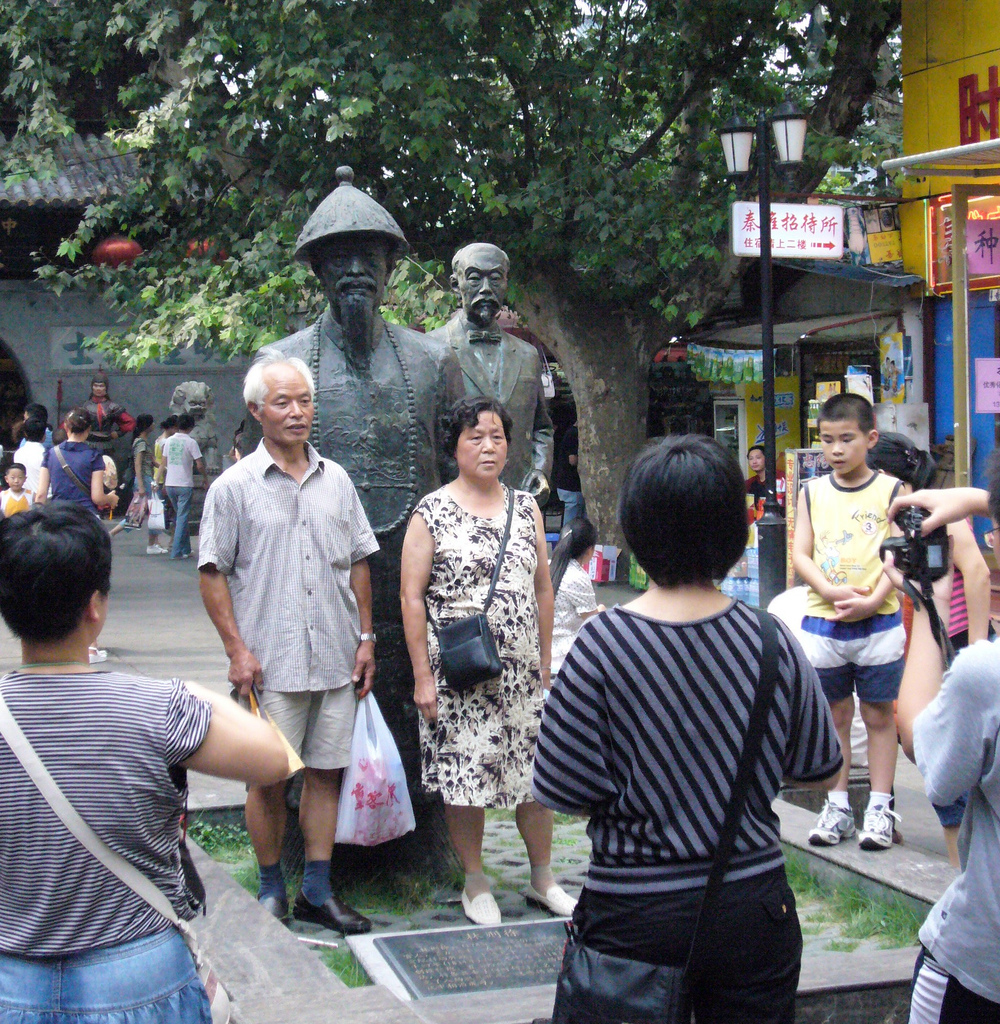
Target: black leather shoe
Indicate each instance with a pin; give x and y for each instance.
(334, 914)
(276, 906)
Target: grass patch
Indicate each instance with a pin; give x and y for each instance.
(892, 923)
(345, 965)
(226, 843)
(843, 945)
(390, 892)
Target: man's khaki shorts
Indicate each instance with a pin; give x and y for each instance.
(319, 724)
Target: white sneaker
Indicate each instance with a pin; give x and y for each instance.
(876, 832)
(832, 825)
(155, 549)
(97, 655)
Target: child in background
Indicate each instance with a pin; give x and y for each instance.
(575, 601)
(16, 498)
(853, 625)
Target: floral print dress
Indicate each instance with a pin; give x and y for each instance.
(481, 751)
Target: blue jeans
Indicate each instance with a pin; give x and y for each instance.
(149, 981)
(574, 506)
(180, 498)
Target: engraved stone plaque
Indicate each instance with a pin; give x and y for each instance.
(447, 961)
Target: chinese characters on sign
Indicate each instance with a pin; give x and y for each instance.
(988, 386)
(799, 231)
(982, 242)
(979, 111)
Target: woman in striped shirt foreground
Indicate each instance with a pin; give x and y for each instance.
(643, 731)
(76, 943)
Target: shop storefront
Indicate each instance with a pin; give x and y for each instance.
(950, 217)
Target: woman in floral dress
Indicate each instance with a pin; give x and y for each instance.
(478, 746)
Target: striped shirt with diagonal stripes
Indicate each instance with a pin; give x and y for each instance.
(643, 731)
(109, 739)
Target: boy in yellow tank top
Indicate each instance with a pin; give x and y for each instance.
(853, 630)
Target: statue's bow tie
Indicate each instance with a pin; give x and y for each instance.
(494, 337)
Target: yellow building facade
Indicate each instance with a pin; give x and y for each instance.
(951, 96)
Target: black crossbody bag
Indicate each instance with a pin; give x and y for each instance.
(597, 988)
(468, 651)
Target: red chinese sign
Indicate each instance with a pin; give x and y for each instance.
(979, 110)
(982, 243)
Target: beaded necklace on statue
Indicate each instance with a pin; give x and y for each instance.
(411, 415)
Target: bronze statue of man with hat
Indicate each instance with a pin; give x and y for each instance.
(382, 392)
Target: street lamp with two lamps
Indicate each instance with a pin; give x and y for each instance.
(789, 128)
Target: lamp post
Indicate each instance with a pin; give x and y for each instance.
(789, 128)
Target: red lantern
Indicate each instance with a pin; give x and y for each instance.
(115, 252)
(208, 247)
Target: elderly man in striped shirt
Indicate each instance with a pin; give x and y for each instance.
(285, 579)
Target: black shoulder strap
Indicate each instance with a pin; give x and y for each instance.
(511, 497)
(762, 704)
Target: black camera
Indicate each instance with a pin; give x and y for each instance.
(919, 558)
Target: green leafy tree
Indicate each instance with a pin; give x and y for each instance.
(580, 137)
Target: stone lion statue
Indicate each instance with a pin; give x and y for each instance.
(195, 397)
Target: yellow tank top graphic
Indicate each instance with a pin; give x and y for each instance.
(849, 525)
(12, 504)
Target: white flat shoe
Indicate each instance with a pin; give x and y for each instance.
(555, 900)
(97, 656)
(482, 910)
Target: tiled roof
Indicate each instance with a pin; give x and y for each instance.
(88, 168)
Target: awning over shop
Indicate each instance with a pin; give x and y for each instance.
(883, 276)
(844, 325)
(973, 160)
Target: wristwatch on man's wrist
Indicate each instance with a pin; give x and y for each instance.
(368, 636)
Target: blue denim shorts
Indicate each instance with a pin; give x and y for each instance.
(149, 981)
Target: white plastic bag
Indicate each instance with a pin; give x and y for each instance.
(157, 521)
(374, 801)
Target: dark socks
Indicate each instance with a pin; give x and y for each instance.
(316, 882)
(272, 883)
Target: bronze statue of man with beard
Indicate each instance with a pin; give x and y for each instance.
(382, 392)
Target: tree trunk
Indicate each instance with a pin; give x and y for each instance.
(605, 354)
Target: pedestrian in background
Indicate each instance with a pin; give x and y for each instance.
(575, 600)
(16, 497)
(566, 476)
(181, 457)
(31, 454)
(143, 464)
(73, 471)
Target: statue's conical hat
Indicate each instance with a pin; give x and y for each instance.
(348, 210)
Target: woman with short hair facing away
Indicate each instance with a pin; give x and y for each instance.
(478, 744)
(644, 728)
(77, 944)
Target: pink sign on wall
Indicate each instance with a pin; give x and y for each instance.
(982, 245)
(988, 386)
